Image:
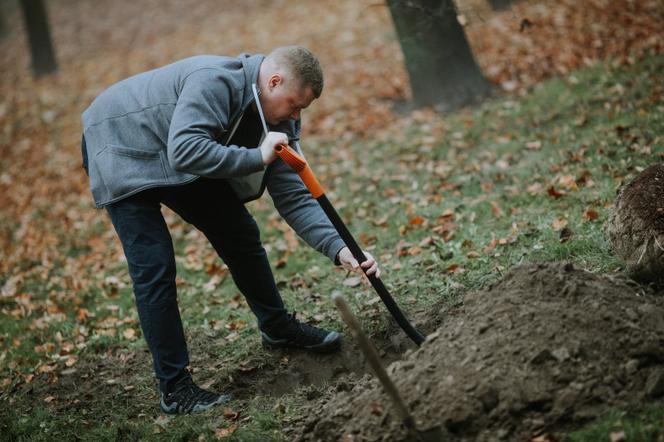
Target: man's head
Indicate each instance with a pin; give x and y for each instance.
(290, 78)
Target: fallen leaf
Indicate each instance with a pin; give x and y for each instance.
(415, 250)
(452, 268)
(427, 241)
(46, 368)
(492, 245)
(236, 325)
(47, 347)
(534, 188)
(231, 415)
(554, 193)
(71, 360)
(496, 210)
(590, 215)
(353, 281)
(367, 239)
(381, 222)
(129, 333)
(617, 436)
(558, 223)
(416, 221)
(162, 420)
(223, 433)
(291, 240)
(568, 182)
(533, 145)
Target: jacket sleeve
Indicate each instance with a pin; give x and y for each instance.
(202, 113)
(301, 211)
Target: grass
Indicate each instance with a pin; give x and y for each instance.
(640, 425)
(446, 204)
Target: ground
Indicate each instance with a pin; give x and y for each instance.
(545, 349)
(449, 204)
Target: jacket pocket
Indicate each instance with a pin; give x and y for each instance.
(130, 152)
(125, 170)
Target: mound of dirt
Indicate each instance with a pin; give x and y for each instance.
(544, 350)
(636, 225)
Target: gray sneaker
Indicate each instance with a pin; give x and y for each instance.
(187, 397)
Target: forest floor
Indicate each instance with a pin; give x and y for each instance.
(449, 205)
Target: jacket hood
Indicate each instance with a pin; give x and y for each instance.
(251, 66)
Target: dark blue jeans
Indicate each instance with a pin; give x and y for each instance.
(212, 207)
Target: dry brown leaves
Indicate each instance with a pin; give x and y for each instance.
(46, 215)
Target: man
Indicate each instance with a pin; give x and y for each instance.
(188, 135)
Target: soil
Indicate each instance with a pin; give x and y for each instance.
(636, 225)
(543, 351)
(126, 374)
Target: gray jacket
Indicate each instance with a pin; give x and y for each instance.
(171, 125)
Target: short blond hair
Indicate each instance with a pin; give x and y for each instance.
(302, 63)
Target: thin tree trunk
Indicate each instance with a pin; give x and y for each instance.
(500, 5)
(439, 60)
(3, 21)
(39, 35)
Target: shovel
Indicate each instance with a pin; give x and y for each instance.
(433, 434)
(300, 166)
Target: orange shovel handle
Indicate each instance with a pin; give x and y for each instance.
(300, 166)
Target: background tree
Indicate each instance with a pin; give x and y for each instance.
(500, 5)
(440, 63)
(39, 36)
(3, 20)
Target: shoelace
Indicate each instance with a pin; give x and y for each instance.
(188, 394)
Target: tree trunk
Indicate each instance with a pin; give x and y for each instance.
(36, 23)
(3, 21)
(500, 5)
(440, 63)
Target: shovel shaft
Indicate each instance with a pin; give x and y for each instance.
(299, 165)
(372, 357)
(376, 283)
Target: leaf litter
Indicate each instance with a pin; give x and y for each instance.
(52, 239)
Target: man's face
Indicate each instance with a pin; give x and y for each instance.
(283, 100)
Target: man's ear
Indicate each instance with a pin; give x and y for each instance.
(274, 80)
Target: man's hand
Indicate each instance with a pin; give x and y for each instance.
(348, 262)
(271, 140)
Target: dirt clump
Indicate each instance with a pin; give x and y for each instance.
(636, 225)
(544, 350)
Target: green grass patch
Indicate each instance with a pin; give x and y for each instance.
(445, 205)
(641, 425)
